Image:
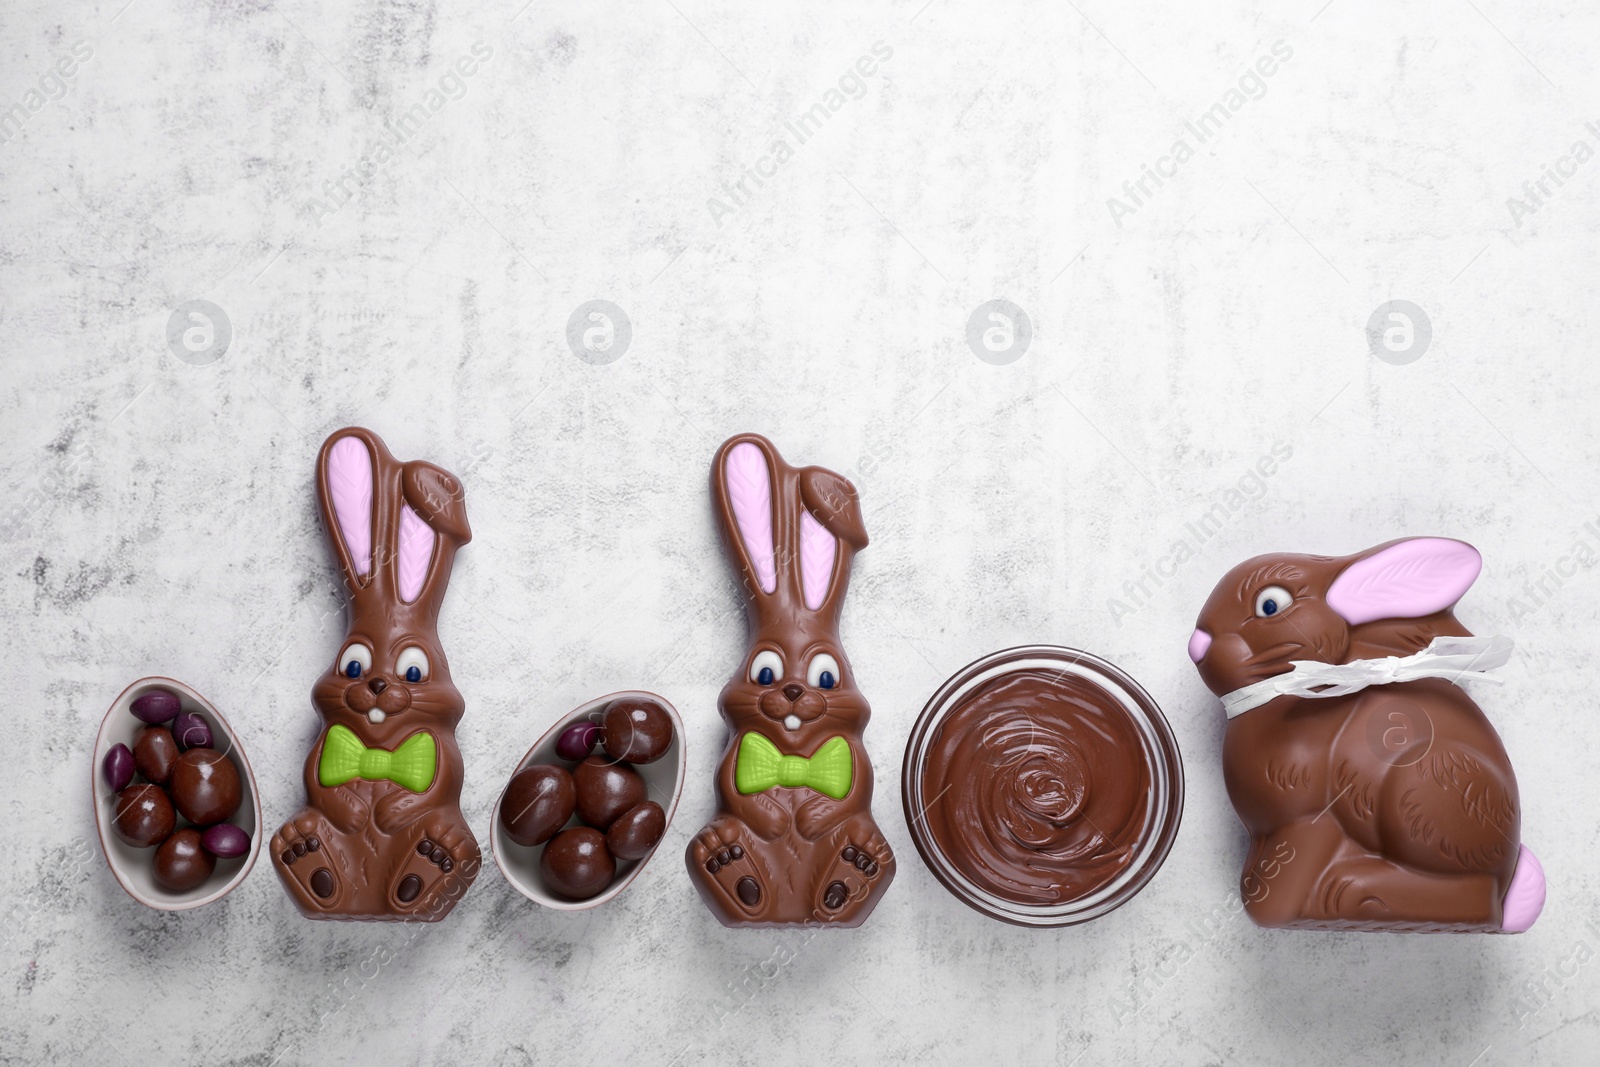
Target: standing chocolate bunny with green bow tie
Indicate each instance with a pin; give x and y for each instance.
(382, 835)
(794, 841)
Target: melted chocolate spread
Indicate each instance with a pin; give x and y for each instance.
(1039, 787)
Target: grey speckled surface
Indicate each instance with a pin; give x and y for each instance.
(158, 515)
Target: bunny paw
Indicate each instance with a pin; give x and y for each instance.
(719, 851)
(855, 871)
(436, 870)
(299, 849)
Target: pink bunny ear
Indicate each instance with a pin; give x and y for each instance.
(349, 477)
(817, 550)
(415, 555)
(1407, 580)
(749, 485)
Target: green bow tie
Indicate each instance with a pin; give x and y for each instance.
(761, 766)
(344, 757)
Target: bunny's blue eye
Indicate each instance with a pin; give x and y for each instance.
(412, 665)
(355, 661)
(1271, 600)
(766, 668)
(822, 672)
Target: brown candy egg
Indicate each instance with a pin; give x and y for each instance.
(144, 815)
(538, 802)
(637, 831)
(182, 863)
(637, 731)
(606, 789)
(154, 753)
(577, 864)
(205, 786)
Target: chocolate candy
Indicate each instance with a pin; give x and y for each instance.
(794, 786)
(226, 841)
(538, 802)
(117, 767)
(605, 790)
(191, 731)
(205, 786)
(576, 863)
(1381, 804)
(154, 753)
(144, 815)
(182, 863)
(636, 831)
(636, 731)
(155, 706)
(385, 775)
(577, 741)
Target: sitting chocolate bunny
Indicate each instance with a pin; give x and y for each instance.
(382, 835)
(794, 841)
(1376, 793)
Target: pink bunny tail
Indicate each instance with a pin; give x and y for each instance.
(349, 477)
(1525, 899)
(416, 553)
(817, 549)
(750, 492)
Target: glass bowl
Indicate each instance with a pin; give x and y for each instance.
(1163, 807)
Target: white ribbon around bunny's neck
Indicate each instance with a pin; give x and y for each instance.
(1455, 658)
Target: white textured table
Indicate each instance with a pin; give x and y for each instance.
(409, 262)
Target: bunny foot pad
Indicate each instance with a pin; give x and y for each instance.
(719, 852)
(384, 778)
(1387, 800)
(794, 786)
(855, 874)
(440, 867)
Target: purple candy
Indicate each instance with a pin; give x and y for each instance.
(155, 707)
(225, 841)
(191, 731)
(577, 740)
(118, 767)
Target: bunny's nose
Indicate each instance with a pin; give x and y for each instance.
(1199, 642)
(793, 692)
(377, 685)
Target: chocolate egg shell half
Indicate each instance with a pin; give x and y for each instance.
(521, 865)
(538, 802)
(205, 786)
(606, 789)
(132, 866)
(577, 864)
(144, 815)
(154, 753)
(182, 863)
(636, 731)
(637, 831)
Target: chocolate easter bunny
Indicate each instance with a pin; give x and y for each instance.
(1376, 793)
(382, 835)
(793, 841)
